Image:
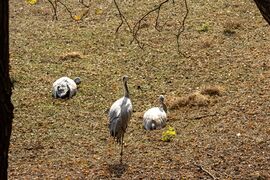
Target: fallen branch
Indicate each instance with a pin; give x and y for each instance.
(204, 170)
(203, 116)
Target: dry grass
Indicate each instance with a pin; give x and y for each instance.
(69, 139)
(71, 56)
(198, 98)
(212, 91)
(194, 99)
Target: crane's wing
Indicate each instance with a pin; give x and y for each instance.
(154, 118)
(115, 120)
(119, 116)
(115, 110)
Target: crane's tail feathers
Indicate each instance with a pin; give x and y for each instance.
(150, 124)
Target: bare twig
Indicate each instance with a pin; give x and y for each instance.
(85, 5)
(181, 29)
(54, 6)
(157, 9)
(203, 169)
(137, 26)
(205, 115)
(67, 9)
(122, 17)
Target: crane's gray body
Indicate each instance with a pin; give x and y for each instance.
(65, 87)
(156, 117)
(119, 116)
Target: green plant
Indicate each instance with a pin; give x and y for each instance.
(168, 135)
(204, 27)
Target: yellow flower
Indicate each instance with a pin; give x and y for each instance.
(98, 11)
(32, 2)
(77, 17)
(168, 135)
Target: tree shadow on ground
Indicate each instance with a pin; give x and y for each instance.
(117, 169)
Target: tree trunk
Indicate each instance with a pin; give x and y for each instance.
(6, 107)
(264, 7)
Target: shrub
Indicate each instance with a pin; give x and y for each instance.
(168, 135)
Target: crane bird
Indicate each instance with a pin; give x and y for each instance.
(156, 117)
(119, 116)
(65, 87)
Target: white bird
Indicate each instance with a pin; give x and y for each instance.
(119, 116)
(156, 117)
(65, 87)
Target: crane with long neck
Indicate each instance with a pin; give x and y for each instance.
(119, 116)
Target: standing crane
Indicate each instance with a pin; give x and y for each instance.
(156, 117)
(119, 116)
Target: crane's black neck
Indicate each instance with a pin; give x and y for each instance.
(126, 92)
(163, 106)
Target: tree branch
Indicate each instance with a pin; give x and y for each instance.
(85, 5)
(54, 6)
(181, 29)
(137, 25)
(264, 7)
(122, 17)
(67, 9)
(157, 9)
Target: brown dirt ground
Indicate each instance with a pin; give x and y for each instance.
(224, 134)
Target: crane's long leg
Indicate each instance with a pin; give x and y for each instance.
(122, 144)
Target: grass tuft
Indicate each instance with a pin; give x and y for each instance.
(168, 135)
(193, 99)
(71, 56)
(212, 91)
(198, 99)
(204, 27)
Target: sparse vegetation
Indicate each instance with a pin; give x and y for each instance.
(228, 32)
(230, 28)
(193, 99)
(71, 55)
(204, 27)
(212, 90)
(168, 135)
(69, 139)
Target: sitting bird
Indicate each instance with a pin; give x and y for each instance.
(156, 117)
(65, 87)
(119, 116)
